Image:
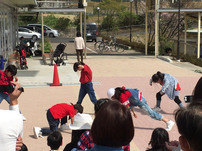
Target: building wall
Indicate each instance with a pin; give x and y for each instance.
(8, 25)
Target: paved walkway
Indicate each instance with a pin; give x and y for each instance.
(131, 71)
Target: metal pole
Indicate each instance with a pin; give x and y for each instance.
(98, 15)
(98, 20)
(178, 31)
(131, 20)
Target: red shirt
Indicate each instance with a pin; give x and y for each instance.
(86, 75)
(4, 79)
(61, 110)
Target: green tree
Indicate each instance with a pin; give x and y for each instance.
(62, 22)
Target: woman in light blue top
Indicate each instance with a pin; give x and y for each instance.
(170, 87)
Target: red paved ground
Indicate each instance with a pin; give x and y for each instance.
(112, 71)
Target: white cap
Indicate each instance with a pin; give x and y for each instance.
(110, 93)
(81, 121)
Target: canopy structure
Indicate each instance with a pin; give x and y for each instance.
(154, 6)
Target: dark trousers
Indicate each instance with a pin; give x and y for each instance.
(53, 124)
(79, 52)
(84, 89)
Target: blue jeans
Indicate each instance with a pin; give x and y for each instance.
(84, 89)
(145, 107)
(4, 96)
(53, 124)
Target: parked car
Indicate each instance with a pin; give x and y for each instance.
(26, 33)
(34, 28)
(49, 31)
(91, 31)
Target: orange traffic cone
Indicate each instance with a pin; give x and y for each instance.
(56, 81)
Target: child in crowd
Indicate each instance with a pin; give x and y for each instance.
(132, 98)
(54, 140)
(170, 86)
(6, 78)
(86, 82)
(86, 142)
(54, 114)
(158, 140)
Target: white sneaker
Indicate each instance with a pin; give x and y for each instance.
(37, 132)
(64, 127)
(170, 125)
(157, 109)
(24, 118)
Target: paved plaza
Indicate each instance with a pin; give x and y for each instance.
(131, 71)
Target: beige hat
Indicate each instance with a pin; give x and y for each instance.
(81, 121)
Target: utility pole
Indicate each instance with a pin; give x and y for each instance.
(178, 31)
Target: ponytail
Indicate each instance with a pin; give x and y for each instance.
(118, 92)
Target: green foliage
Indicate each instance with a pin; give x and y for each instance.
(50, 20)
(24, 20)
(109, 23)
(192, 59)
(63, 23)
(47, 45)
(165, 43)
(124, 18)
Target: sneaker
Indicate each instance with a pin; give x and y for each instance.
(64, 127)
(157, 109)
(37, 132)
(170, 125)
(23, 118)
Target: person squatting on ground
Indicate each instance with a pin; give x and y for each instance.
(54, 140)
(85, 141)
(112, 127)
(170, 87)
(86, 82)
(132, 98)
(79, 46)
(6, 78)
(158, 140)
(54, 114)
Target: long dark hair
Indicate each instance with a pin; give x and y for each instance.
(118, 92)
(197, 94)
(157, 76)
(158, 139)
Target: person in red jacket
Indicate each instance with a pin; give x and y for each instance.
(86, 82)
(54, 114)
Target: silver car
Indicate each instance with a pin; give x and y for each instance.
(26, 33)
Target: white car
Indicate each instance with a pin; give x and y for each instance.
(26, 33)
(49, 31)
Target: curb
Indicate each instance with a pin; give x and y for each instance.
(165, 59)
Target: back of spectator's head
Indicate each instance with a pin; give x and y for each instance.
(113, 125)
(100, 103)
(189, 124)
(54, 140)
(12, 69)
(78, 34)
(197, 95)
(24, 148)
(78, 107)
(158, 139)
